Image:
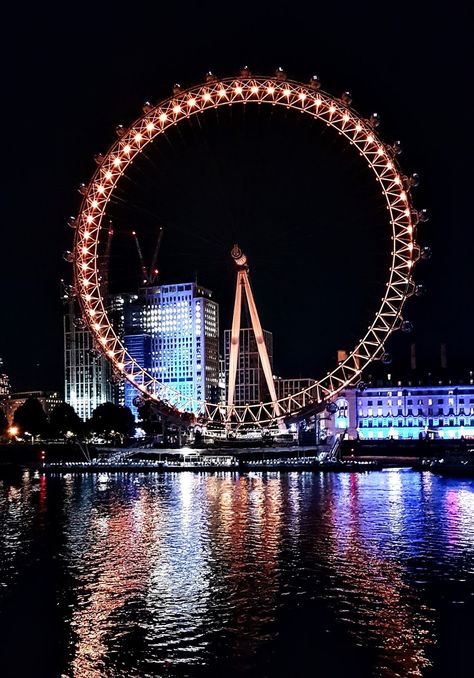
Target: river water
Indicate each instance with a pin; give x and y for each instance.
(261, 574)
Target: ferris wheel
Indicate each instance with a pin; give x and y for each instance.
(334, 112)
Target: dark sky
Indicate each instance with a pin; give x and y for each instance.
(319, 259)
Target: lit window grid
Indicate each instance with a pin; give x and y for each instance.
(292, 95)
(182, 329)
(439, 411)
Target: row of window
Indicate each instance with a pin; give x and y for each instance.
(401, 423)
(410, 412)
(420, 401)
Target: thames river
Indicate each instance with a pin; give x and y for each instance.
(261, 574)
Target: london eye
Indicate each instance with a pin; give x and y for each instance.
(335, 113)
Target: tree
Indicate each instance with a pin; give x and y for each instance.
(3, 423)
(109, 418)
(31, 418)
(64, 418)
(150, 419)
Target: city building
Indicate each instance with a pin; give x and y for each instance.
(250, 383)
(173, 332)
(4, 383)
(117, 305)
(87, 373)
(414, 411)
(48, 399)
(290, 387)
(222, 385)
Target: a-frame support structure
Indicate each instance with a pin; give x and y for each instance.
(243, 287)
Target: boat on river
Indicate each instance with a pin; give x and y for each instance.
(459, 463)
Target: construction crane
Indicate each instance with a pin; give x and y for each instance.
(142, 260)
(153, 273)
(149, 276)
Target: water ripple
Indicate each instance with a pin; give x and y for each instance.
(261, 574)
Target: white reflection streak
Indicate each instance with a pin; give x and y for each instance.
(179, 586)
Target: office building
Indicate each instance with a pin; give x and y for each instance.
(250, 384)
(173, 332)
(87, 373)
(291, 387)
(4, 383)
(117, 305)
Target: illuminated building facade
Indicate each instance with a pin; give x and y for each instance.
(173, 332)
(250, 383)
(87, 373)
(117, 311)
(222, 382)
(404, 412)
(4, 383)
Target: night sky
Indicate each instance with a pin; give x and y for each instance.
(297, 199)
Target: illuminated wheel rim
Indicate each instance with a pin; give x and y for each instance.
(246, 89)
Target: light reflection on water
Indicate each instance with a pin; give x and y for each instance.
(259, 574)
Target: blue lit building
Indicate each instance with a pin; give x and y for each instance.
(87, 373)
(173, 332)
(401, 411)
(139, 348)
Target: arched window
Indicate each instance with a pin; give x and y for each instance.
(342, 414)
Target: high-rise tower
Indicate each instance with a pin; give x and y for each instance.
(87, 373)
(173, 332)
(250, 387)
(4, 383)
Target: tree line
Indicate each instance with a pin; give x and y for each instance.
(108, 421)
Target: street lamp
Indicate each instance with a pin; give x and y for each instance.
(13, 431)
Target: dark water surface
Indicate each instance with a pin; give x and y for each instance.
(190, 574)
